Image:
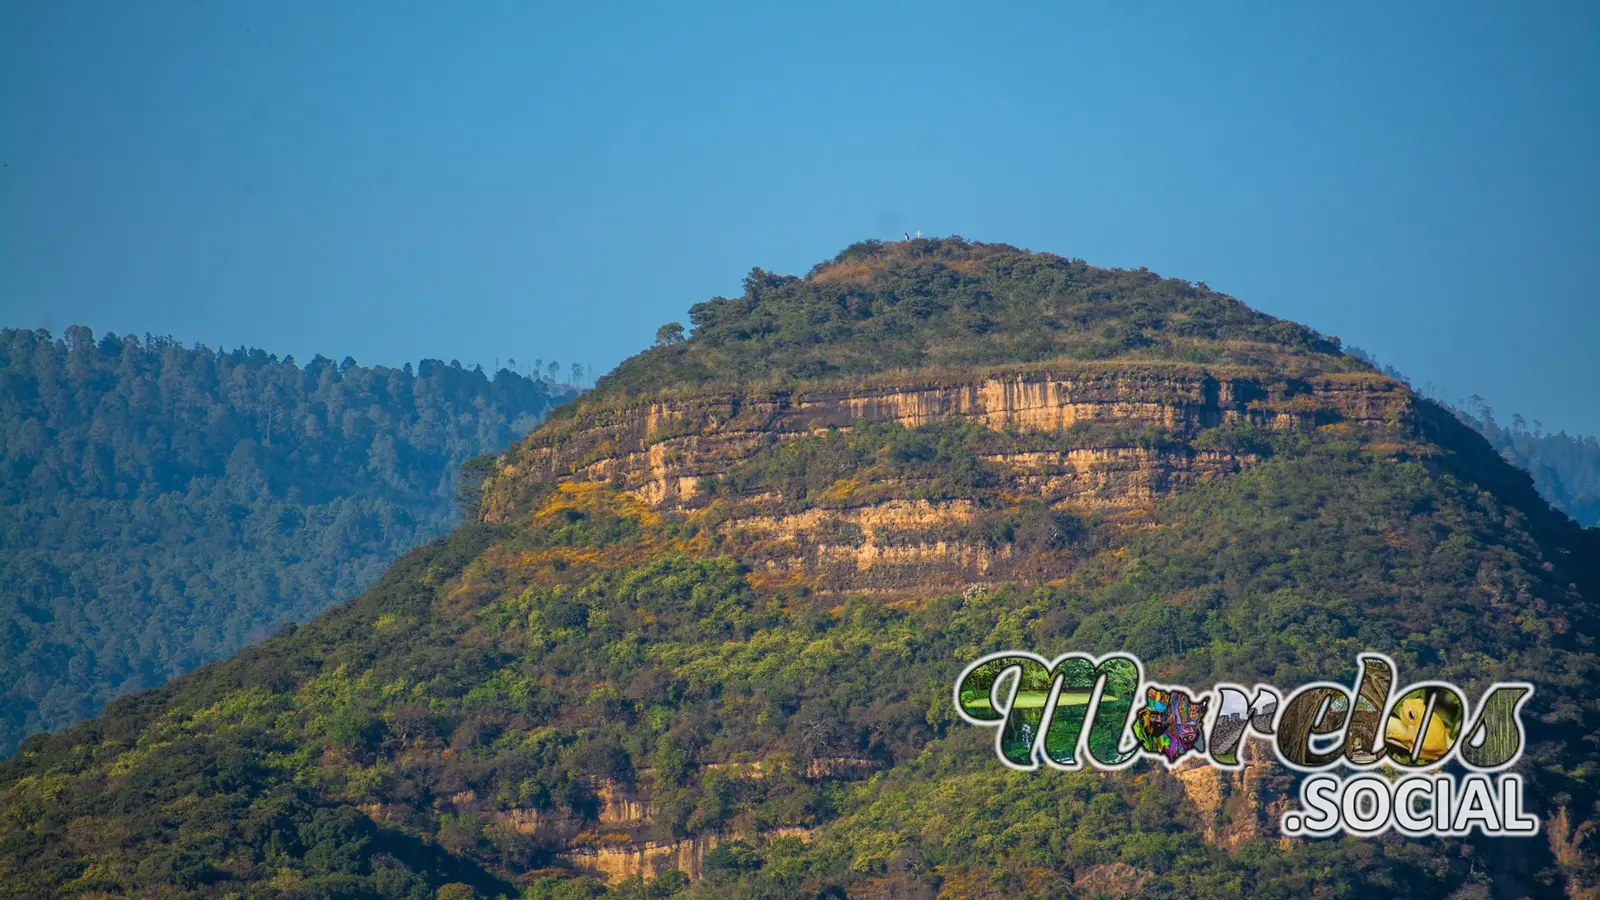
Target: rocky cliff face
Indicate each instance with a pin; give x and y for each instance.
(662, 450)
(670, 452)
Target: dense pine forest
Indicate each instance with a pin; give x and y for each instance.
(161, 505)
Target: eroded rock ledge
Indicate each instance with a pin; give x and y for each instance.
(662, 449)
(667, 452)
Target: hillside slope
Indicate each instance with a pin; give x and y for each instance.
(701, 637)
(1565, 468)
(160, 505)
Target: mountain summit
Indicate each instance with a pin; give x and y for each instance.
(946, 304)
(702, 635)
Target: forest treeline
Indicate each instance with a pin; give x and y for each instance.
(1565, 469)
(162, 505)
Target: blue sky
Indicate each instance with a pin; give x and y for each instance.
(402, 180)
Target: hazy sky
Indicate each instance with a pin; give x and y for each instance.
(399, 180)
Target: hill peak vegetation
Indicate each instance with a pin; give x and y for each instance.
(933, 304)
(1565, 468)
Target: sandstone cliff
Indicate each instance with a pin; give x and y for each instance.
(1100, 458)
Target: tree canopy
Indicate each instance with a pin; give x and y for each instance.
(948, 304)
(161, 505)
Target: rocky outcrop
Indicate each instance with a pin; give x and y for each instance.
(651, 859)
(1112, 478)
(617, 807)
(895, 543)
(879, 538)
(1205, 785)
(613, 845)
(662, 449)
(648, 859)
(621, 808)
(1239, 805)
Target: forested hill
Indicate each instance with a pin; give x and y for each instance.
(700, 638)
(160, 506)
